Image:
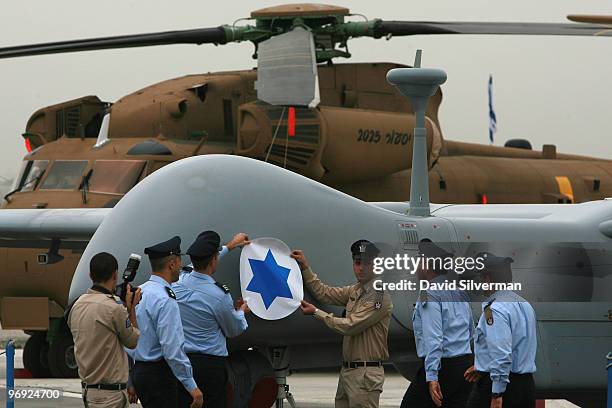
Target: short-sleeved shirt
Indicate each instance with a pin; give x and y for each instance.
(101, 328)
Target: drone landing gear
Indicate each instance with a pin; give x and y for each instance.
(280, 363)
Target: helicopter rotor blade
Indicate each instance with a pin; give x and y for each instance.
(216, 35)
(591, 18)
(374, 28)
(401, 28)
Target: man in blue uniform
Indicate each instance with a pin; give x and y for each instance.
(239, 240)
(209, 317)
(443, 327)
(159, 356)
(504, 346)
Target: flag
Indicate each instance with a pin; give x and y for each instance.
(270, 280)
(492, 117)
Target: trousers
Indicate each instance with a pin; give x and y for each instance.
(360, 387)
(520, 392)
(95, 398)
(155, 384)
(210, 374)
(455, 389)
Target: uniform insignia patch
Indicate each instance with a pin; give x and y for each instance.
(223, 287)
(170, 293)
(127, 323)
(489, 316)
(489, 313)
(377, 305)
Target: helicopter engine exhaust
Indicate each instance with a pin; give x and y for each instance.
(381, 142)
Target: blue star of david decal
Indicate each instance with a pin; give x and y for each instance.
(269, 279)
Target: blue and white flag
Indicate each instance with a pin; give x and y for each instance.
(270, 279)
(492, 117)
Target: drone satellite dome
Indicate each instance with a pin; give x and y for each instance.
(418, 84)
(417, 81)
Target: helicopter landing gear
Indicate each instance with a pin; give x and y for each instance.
(35, 355)
(62, 362)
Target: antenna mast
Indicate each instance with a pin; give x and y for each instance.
(418, 84)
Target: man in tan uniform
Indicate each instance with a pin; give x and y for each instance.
(101, 326)
(365, 326)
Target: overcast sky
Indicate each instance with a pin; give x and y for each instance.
(546, 89)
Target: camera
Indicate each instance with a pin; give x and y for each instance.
(128, 276)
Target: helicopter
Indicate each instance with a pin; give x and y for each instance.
(341, 125)
(561, 254)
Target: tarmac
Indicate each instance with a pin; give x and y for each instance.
(310, 390)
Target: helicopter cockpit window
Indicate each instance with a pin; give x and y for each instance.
(115, 176)
(64, 175)
(31, 175)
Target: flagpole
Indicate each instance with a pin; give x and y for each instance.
(492, 116)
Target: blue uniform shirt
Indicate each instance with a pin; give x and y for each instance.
(224, 250)
(443, 327)
(208, 314)
(509, 343)
(161, 331)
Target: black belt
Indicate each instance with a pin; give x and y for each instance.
(355, 364)
(156, 362)
(209, 356)
(109, 387)
(457, 359)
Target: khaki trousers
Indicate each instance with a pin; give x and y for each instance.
(106, 398)
(360, 387)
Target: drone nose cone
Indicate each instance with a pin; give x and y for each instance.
(416, 81)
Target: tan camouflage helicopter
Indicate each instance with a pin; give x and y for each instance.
(340, 124)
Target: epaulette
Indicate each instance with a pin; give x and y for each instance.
(489, 313)
(170, 292)
(187, 269)
(223, 287)
(115, 298)
(379, 297)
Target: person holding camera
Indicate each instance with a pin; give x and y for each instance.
(101, 326)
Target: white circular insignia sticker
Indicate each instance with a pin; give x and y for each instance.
(270, 280)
